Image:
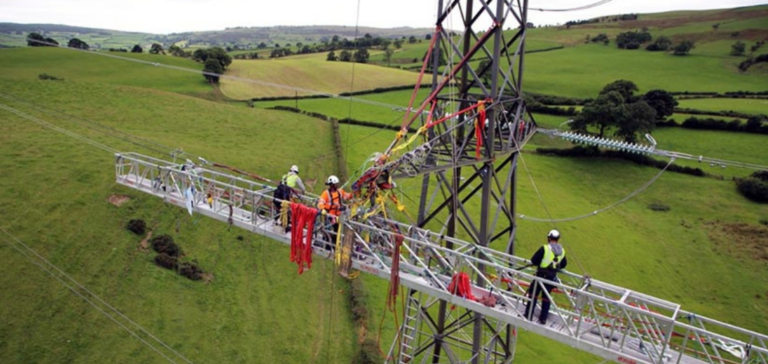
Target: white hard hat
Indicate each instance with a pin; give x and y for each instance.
(554, 234)
(295, 168)
(332, 180)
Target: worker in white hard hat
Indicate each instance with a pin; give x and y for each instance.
(292, 180)
(549, 259)
(331, 203)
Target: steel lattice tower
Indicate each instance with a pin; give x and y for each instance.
(485, 67)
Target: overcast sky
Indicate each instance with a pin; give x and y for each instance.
(168, 16)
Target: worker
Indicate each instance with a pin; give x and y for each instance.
(548, 260)
(330, 203)
(289, 185)
(292, 180)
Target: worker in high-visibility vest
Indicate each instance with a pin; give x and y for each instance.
(331, 203)
(292, 180)
(548, 260)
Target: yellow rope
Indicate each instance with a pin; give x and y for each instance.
(284, 208)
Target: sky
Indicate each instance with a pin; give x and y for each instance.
(169, 16)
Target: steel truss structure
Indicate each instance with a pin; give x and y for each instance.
(609, 321)
(469, 155)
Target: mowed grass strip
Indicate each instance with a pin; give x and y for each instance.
(286, 77)
(72, 65)
(256, 309)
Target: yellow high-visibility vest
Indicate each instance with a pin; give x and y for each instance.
(549, 258)
(290, 179)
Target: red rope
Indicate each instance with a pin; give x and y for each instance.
(450, 75)
(421, 75)
(461, 287)
(394, 276)
(429, 125)
(301, 246)
(479, 127)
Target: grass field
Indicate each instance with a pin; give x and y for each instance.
(647, 249)
(707, 253)
(256, 309)
(315, 75)
(569, 72)
(749, 106)
(28, 63)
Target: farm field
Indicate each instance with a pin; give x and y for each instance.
(71, 65)
(56, 202)
(749, 106)
(284, 77)
(707, 252)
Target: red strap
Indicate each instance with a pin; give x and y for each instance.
(394, 277)
(421, 75)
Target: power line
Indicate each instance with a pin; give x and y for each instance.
(95, 126)
(236, 78)
(588, 6)
(72, 284)
(59, 129)
(606, 208)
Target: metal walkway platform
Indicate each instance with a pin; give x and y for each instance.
(612, 322)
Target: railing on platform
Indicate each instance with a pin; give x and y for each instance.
(610, 321)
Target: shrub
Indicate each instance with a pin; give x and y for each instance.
(191, 271)
(45, 76)
(166, 261)
(164, 244)
(137, 226)
(659, 207)
(753, 188)
(369, 353)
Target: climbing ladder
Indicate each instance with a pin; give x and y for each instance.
(612, 322)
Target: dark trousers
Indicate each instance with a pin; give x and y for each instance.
(534, 291)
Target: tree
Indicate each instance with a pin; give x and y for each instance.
(617, 109)
(388, 52)
(335, 39)
(212, 70)
(412, 40)
(361, 55)
(345, 56)
(603, 113)
(137, 49)
(632, 40)
(77, 43)
(36, 40)
(662, 102)
(662, 43)
(176, 51)
(428, 37)
(262, 45)
(156, 49)
(277, 45)
(639, 119)
(682, 48)
(738, 48)
(625, 88)
(200, 55)
(51, 42)
(398, 43)
(331, 56)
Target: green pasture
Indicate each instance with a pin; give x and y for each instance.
(308, 76)
(648, 251)
(574, 71)
(255, 310)
(27, 63)
(749, 106)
